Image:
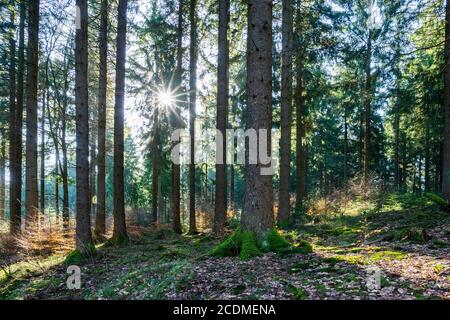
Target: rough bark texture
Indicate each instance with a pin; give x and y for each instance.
(397, 148)
(286, 111)
(120, 231)
(16, 119)
(64, 168)
(222, 110)
(367, 107)
(45, 101)
(427, 151)
(2, 177)
(100, 225)
(446, 146)
(257, 215)
(155, 187)
(300, 148)
(193, 53)
(92, 171)
(175, 197)
(83, 221)
(12, 123)
(345, 176)
(31, 176)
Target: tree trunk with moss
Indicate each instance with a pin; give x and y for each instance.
(257, 215)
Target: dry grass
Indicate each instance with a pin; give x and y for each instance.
(338, 201)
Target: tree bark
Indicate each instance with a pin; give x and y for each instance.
(176, 223)
(446, 145)
(100, 224)
(155, 187)
(300, 148)
(345, 146)
(2, 176)
(12, 127)
(64, 167)
(222, 113)
(427, 151)
(83, 221)
(367, 107)
(16, 118)
(31, 176)
(397, 147)
(45, 101)
(257, 215)
(193, 53)
(286, 111)
(120, 230)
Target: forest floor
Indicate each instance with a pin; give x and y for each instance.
(397, 248)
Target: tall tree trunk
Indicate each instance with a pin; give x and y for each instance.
(16, 118)
(155, 178)
(175, 197)
(286, 111)
(419, 178)
(345, 145)
(92, 165)
(397, 147)
(222, 113)
(83, 220)
(120, 230)
(2, 176)
(193, 53)
(232, 170)
(64, 167)
(257, 215)
(427, 151)
(100, 224)
(57, 184)
(53, 130)
(31, 177)
(300, 148)
(446, 146)
(45, 101)
(15, 212)
(367, 107)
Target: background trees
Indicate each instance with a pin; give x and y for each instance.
(365, 79)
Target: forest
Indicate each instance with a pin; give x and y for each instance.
(225, 150)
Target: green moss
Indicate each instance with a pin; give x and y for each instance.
(298, 293)
(274, 242)
(76, 256)
(298, 267)
(437, 199)
(229, 247)
(119, 240)
(388, 255)
(249, 249)
(245, 245)
(302, 247)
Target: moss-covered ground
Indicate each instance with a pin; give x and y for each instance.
(401, 242)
